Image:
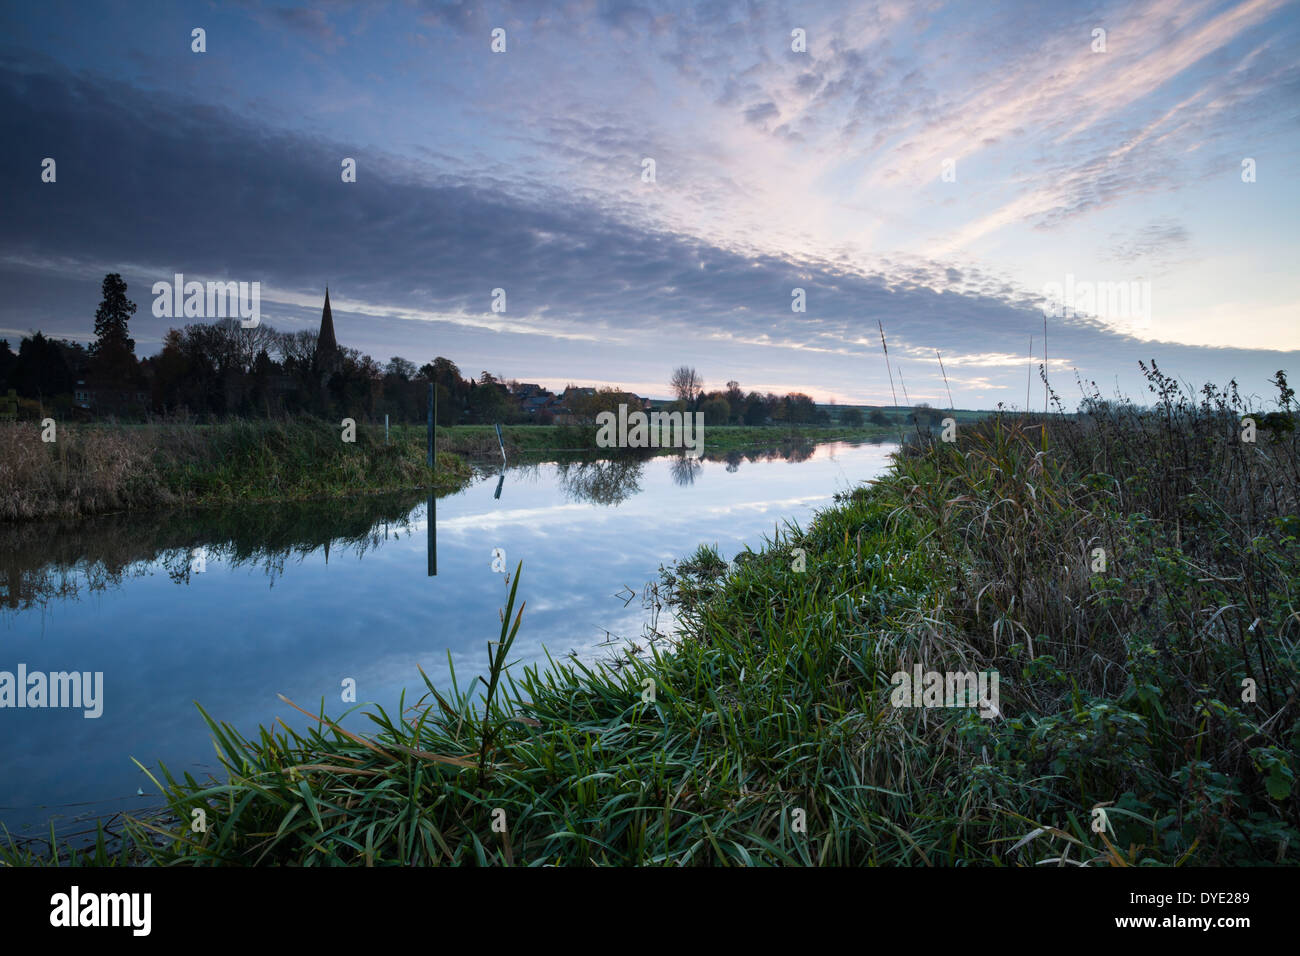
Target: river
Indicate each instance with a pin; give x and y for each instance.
(232, 607)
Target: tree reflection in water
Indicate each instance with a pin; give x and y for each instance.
(46, 561)
(684, 468)
(602, 482)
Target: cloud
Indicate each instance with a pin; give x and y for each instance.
(1156, 242)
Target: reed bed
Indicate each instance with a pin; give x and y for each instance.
(93, 469)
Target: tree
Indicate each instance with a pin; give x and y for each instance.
(242, 345)
(851, 417)
(170, 372)
(401, 368)
(40, 371)
(800, 408)
(716, 411)
(447, 413)
(924, 416)
(735, 399)
(263, 370)
(114, 348)
(7, 362)
(297, 349)
(489, 402)
(443, 371)
(686, 384)
(585, 408)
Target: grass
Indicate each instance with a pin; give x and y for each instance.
(767, 736)
(92, 469)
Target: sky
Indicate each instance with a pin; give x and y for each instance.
(966, 175)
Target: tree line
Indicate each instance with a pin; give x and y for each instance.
(217, 369)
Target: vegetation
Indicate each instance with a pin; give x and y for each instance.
(98, 468)
(1125, 688)
(91, 469)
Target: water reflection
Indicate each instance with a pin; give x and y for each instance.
(432, 535)
(684, 470)
(42, 562)
(601, 482)
(233, 607)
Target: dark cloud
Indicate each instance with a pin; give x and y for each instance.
(760, 113)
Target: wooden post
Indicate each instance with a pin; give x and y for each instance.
(432, 544)
(433, 535)
(385, 429)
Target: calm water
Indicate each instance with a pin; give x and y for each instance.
(232, 608)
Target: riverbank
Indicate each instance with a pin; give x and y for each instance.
(103, 468)
(1129, 576)
(95, 469)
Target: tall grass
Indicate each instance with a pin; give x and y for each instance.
(93, 469)
(767, 734)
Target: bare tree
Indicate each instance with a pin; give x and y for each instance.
(686, 384)
(247, 342)
(299, 346)
(229, 345)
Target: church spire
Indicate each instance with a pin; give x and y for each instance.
(327, 346)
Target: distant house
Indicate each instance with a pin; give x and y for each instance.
(563, 412)
(535, 402)
(103, 396)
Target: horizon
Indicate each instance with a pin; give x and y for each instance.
(948, 173)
